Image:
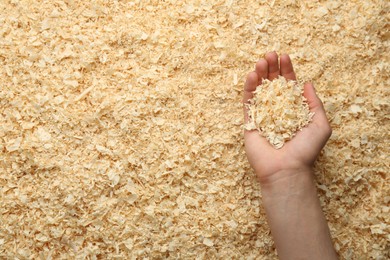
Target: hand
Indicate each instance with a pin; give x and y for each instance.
(300, 152)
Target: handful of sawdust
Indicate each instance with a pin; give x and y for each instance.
(278, 110)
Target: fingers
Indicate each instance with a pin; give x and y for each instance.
(273, 65)
(262, 70)
(286, 67)
(268, 68)
(250, 85)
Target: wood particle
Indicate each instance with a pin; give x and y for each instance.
(278, 110)
(121, 125)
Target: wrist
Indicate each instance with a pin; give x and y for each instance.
(288, 182)
(295, 217)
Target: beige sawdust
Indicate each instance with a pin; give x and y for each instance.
(121, 125)
(278, 110)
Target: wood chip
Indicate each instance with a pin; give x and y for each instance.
(278, 110)
(121, 125)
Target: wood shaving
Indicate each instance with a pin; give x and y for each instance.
(278, 110)
(115, 142)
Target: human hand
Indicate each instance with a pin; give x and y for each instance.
(300, 152)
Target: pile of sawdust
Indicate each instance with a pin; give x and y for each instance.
(278, 110)
(116, 143)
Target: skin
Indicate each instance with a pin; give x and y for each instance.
(294, 214)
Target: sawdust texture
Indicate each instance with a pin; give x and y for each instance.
(278, 110)
(121, 125)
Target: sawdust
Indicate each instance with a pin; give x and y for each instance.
(121, 125)
(278, 110)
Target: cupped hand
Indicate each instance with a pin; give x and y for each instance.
(301, 151)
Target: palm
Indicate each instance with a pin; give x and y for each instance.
(303, 149)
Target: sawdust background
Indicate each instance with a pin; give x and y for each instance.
(121, 125)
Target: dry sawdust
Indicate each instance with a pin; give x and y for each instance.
(278, 110)
(120, 125)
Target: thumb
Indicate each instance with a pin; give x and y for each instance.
(315, 105)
